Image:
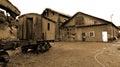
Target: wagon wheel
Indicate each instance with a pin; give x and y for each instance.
(14, 46)
(24, 49)
(43, 49)
(4, 58)
(38, 49)
(47, 46)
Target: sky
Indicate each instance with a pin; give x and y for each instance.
(105, 9)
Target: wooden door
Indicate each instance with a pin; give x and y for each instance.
(29, 28)
(104, 36)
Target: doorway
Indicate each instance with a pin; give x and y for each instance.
(29, 28)
(104, 36)
(83, 36)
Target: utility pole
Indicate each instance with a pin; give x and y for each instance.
(112, 27)
(111, 17)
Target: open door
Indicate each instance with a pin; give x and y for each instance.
(83, 36)
(104, 36)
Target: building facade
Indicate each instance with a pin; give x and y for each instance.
(84, 27)
(57, 17)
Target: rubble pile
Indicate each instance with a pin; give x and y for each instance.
(7, 32)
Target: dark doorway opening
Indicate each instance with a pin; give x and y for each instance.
(83, 36)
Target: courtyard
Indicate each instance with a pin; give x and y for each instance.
(71, 54)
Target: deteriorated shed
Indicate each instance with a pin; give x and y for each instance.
(33, 26)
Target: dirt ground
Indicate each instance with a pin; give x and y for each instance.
(72, 54)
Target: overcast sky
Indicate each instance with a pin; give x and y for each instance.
(98, 8)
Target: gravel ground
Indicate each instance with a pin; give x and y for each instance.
(71, 54)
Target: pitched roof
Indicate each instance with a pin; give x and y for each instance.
(37, 15)
(64, 15)
(87, 15)
(8, 6)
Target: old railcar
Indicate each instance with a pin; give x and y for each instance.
(31, 34)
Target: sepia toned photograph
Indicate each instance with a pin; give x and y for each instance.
(59, 33)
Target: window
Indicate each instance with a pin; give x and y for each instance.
(46, 13)
(92, 34)
(48, 26)
(83, 34)
(79, 20)
(70, 29)
(67, 29)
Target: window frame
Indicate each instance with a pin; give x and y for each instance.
(93, 33)
(48, 27)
